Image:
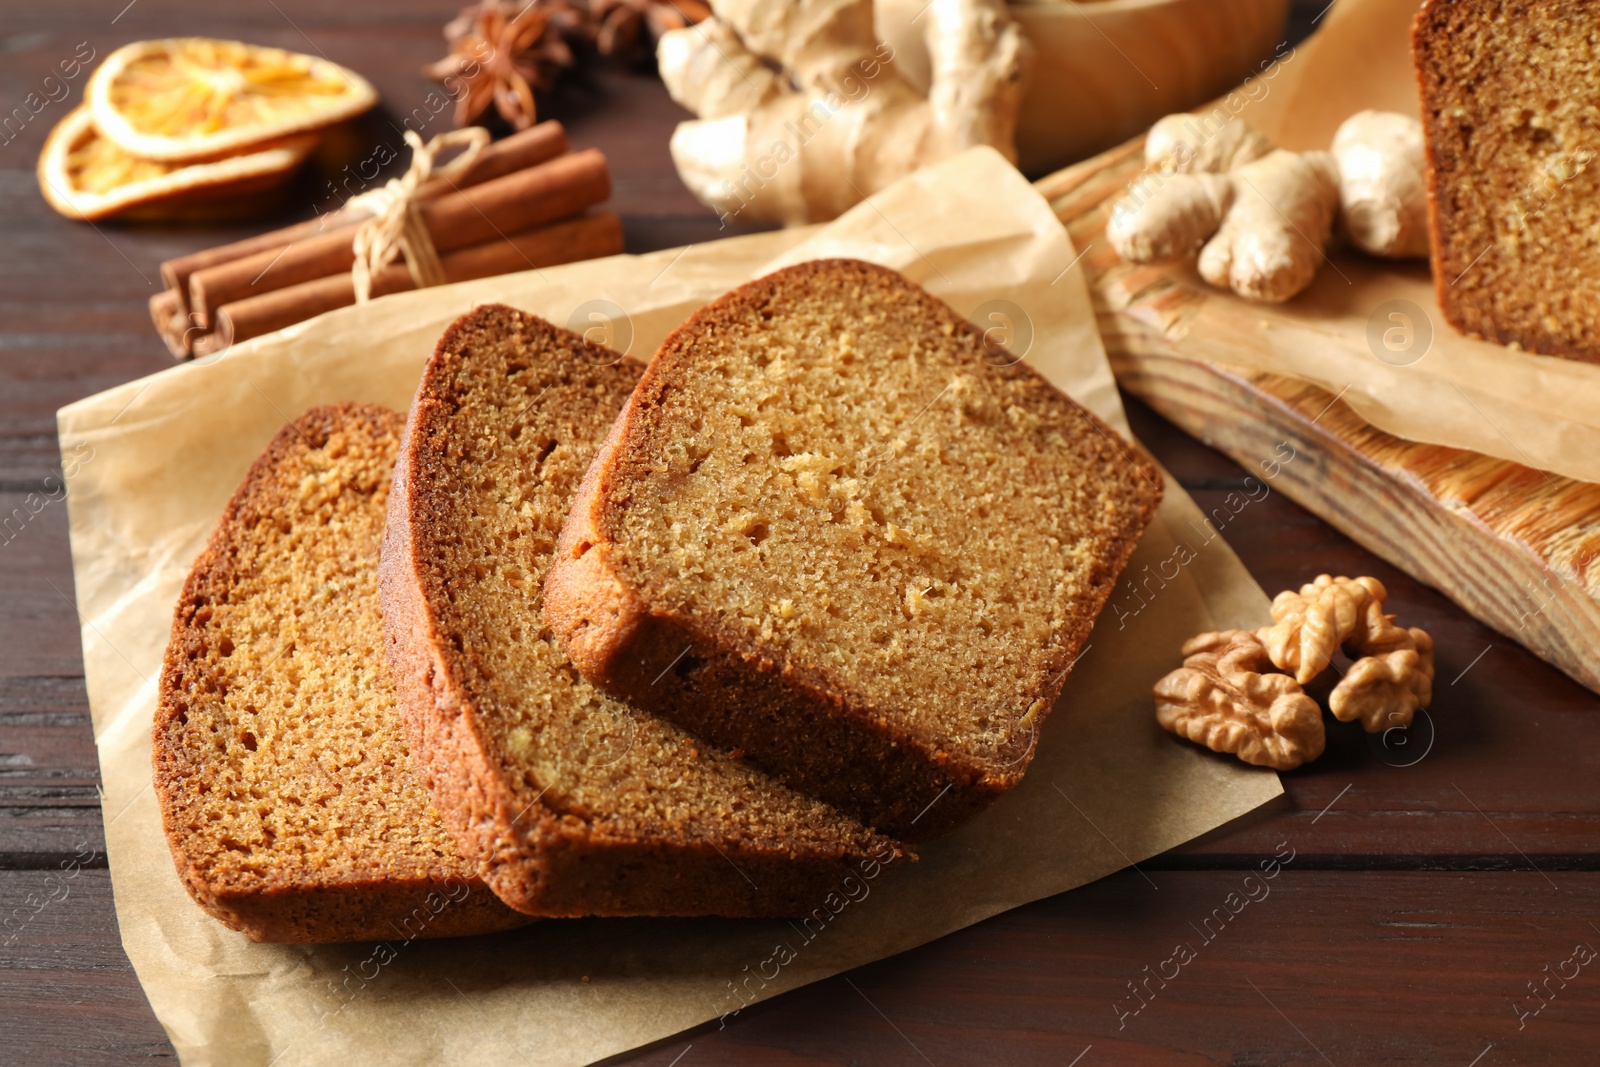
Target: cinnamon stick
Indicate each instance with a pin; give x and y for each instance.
(563, 186)
(528, 148)
(587, 237)
(171, 322)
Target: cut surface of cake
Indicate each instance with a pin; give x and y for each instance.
(285, 781)
(573, 802)
(1509, 91)
(836, 532)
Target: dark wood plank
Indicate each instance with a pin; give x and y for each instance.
(1323, 968)
(1396, 968)
(70, 995)
(1372, 967)
(38, 623)
(49, 776)
(49, 771)
(1193, 464)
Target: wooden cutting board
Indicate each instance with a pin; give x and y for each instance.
(1512, 545)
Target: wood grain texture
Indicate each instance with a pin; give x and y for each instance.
(70, 994)
(1516, 547)
(1375, 968)
(1317, 971)
(1413, 965)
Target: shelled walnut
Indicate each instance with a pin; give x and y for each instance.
(1221, 698)
(1384, 690)
(1309, 626)
(1227, 697)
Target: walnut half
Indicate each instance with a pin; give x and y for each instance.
(1308, 627)
(1392, 675)
(1384, 690)
(1225, 698)
(1221, 698)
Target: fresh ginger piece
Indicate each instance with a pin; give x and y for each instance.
(836, 122)
(1382, 184)
(1271, 241)
(1183, 196)
(1197, 144)
(713, 73)
(1168, 216)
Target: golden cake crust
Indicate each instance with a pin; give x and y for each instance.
(552, 842)
(229, 856)
(1512, 181)
(781, 705)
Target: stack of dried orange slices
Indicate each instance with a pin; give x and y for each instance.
(192, 126)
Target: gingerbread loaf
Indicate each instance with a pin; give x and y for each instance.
(1508, 90)
(572, 802)
(283, 774)
(837, 533)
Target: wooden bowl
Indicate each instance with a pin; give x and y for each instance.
(1104, 70)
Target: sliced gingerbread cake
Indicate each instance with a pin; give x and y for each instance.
(1508, 108)
(573, 802)
(838, 534)
(285, 781)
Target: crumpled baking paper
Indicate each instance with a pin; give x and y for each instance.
(156, 459)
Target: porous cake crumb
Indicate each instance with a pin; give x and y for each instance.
(285, 780)
(1509, 91)
(574, 802)
(836, 532)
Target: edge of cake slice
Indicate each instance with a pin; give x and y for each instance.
(839, 534)
(280, 764)
(572, 802)
(1507, 90)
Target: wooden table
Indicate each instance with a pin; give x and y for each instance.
(1425, 899)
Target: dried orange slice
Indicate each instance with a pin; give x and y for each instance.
(85, 176)
(194, 97)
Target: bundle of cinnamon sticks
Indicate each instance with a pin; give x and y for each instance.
(522, 202)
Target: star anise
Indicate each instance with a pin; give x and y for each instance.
(503, 52)
(628, 29)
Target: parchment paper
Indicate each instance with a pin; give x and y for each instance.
(1107, 788)
(1535, 410)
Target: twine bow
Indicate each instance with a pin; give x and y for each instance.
(396, 226)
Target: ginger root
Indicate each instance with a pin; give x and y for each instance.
(1382, 185)
(837, 122)
(1186, 144)
(1168, 216)
(1271, 241)
(1268, 233)
(715, 74)
(1260, 216)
